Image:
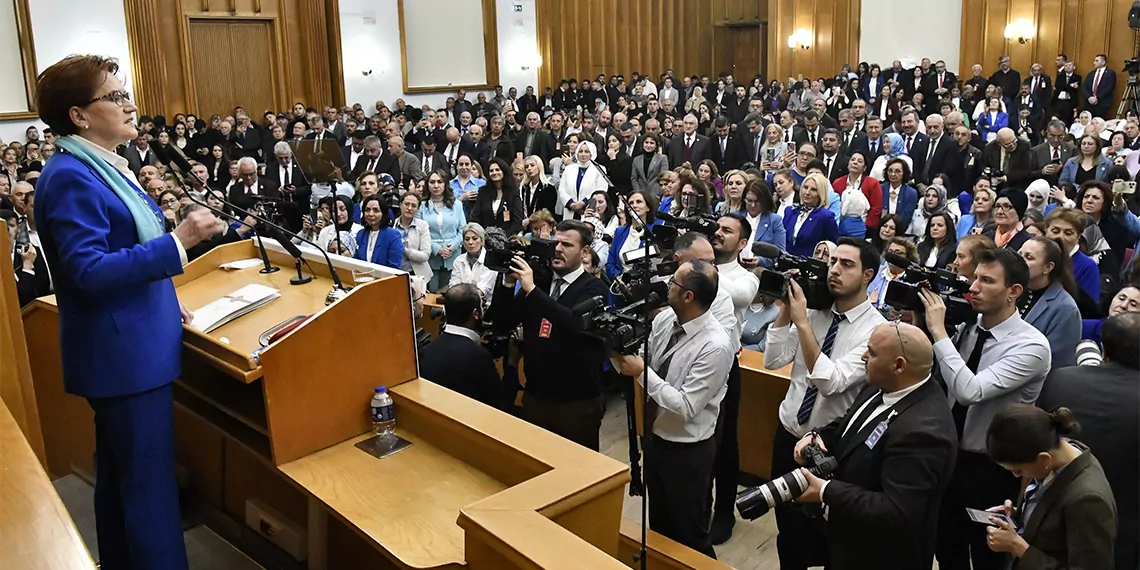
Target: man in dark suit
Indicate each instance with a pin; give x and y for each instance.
(939, 84)
(690, 147)
(723, 144)
(1040, 86)
(744, 143)
(456, 359)
(630, 141)
(284, 171)
(1097, 89)
(896, 451)
(563, 366)
(851, 138)
(334, 125)
(139, 154)
(834, 162)
(354, 151)
(1010, 155)
(250, 188)
(915, 141)
(528, 103)
(876, 144)
(811, 132)
(1008, 79)
(318, 132)
(1106, 399)
(376, 161)
(533, 140)
(937, 152)
(1068, 87)
(246, 138)
(965, 163)
(430, 160)
(1049, 156)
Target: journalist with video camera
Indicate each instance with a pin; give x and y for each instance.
(895, 450)
(563, 366)
(825, 348)
(990, 363)
(456, 359)
(690, 356)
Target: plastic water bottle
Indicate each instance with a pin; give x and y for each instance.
(383, 413)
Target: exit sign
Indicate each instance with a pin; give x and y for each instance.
(518, 7)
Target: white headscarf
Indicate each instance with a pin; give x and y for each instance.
(589, 145)
(1041, 188)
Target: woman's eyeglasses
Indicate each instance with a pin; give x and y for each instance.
(119, 98)
(1003, 207)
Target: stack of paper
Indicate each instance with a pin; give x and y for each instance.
(241, 264)
(240, 302)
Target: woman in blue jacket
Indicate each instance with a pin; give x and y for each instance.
(810, 222)
(1049, 303)
(378, 242)
(444, 216)
(631, 236)
(1087, 164)
(993, 120)
(767, 225)
(1066, 225)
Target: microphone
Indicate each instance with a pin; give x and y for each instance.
(183, 165)
(764, 249)
(896, 259)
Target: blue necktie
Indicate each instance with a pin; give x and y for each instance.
(808, 404)
(1028, 503)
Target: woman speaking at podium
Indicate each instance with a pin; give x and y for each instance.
(120, 324)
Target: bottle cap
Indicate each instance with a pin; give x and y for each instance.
(380, 389)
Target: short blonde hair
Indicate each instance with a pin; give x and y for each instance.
(821, 188)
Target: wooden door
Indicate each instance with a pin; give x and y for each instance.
(233, 63)
(746, 53)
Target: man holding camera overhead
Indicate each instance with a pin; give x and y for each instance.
(989, 364)
(895, 449)
(827, 350)
(563, 366)
(690, 355)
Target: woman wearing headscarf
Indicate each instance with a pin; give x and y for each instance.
(895, 148)
(932, 203)
(580, 180)
(1008, 211)
(1078, 127)
(1038, 194)
(343, 227)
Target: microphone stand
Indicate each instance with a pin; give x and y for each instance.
(636, 469)
(338, 292)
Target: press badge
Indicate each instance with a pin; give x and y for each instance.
(875, 435)
(544, 329)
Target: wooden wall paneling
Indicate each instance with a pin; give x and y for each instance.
(314, 50)
(210, 44)
(143, 39)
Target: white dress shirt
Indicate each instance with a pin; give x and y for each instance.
(889, 400)
(463, 332)
(689, 396)
(473, 271)
(741, 285)
(120, 164)
(838, 377)
(1012, 367)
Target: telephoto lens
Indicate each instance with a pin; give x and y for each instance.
(755, 502)
(1088, 353)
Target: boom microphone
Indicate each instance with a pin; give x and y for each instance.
(896, 259)
(764, 249)
(183, 165)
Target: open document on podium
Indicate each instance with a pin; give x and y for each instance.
(240, 302)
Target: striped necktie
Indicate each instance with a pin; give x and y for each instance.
(808, 403)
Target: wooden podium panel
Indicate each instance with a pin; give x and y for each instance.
(761, 391)
(16, 388)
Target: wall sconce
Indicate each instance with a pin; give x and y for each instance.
(800, 39)
(1021, 30)
(531, 61)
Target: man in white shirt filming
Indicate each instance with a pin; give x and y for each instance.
(690, 355)
(825, 348)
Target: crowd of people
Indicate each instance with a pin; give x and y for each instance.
(1019, 187)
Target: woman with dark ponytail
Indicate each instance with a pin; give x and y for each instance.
(1066, 517)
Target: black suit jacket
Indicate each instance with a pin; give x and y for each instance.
(542, 146)
(247, 144)
(304, 190)
(964, 167)
(917, 152)
(800, 136)
(1019, 164)
(1044, 92)
(727, 159)
(701, 150)
(1106, 400)
(939, 162)
(385, 163)
(438, 162)
(266, 189)
(858, 142)
(457, 363)
(508, 216)
(884, 500)
(131, 153)
(543, 197)
(29, 287)
(838, 166)
(563, 364)
(1103, 92)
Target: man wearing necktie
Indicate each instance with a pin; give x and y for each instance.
(689, 147)
(895, 448)
(1098, 87)
(825, 348)
(690, 357)
(991, 362)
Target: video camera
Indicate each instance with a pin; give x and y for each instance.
(672, 225)
(755, 502)
(812, 276)
(903, 294)
(643, 279)
(621, 330)
(537, 252)
(1132, 66)
(268, 208)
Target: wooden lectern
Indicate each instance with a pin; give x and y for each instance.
(276, 427)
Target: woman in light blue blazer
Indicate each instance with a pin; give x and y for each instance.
(818, 222)
(1049, 304)
(767, 225)
(1087, 164)
(444, 216)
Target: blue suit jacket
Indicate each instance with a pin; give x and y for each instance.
(1056, 315)
(388, 251)
(613, 262)
(819, 226)
(908, 202)
(120, 327)
(986, 126)
(771, 230)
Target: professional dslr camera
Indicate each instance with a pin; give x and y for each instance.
(903, 294)
(994, 175)
(621, 330)
(812, 276)
(755, 502)
(268, 208)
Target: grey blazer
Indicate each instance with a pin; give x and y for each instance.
(1056, 315)
(648, 181)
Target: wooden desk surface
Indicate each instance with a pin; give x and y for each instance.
(35, 528)
(407, 502)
